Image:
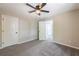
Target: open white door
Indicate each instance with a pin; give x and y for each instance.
(46, 30)
(10, 30)
(42, 30)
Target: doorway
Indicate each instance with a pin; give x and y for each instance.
(46, 30)
(10, 30)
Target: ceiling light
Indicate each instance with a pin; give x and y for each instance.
(37, 11)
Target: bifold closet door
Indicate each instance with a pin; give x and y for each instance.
(9, 30)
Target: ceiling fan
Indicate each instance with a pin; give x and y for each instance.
(38, 8)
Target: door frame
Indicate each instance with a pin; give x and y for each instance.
(38, 27)
(3, 18)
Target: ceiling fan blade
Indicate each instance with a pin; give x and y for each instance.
(45, 11)
(32, 11)
(37, 7)
(43, 4)
(30, 5)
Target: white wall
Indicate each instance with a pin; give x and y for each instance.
(66, 28)
(27, 29)
(0, 32)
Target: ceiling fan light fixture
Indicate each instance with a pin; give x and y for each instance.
(38, 8)
(37, 11)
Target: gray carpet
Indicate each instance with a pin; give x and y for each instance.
(39, 48)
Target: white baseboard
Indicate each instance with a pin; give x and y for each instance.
(67, 45)
(1, 47)
(25, 41)
(22, 42)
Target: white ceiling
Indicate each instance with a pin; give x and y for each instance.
(21, 9)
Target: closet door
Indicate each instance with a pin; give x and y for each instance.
(9, 30)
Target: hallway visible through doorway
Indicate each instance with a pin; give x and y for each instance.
(46, 30)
